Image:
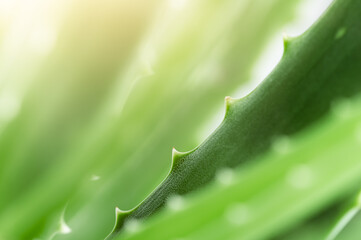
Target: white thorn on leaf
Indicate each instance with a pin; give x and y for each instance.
(64, 228)
(229, 100)
(175, 153)
(285, 37)
(118, 211)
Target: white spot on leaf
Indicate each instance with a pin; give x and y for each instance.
(282, 145)
(95, 178)
(132, 225)
(342, 109)
(225, 176)
(176, 203)
(237, 214)
(300, 177)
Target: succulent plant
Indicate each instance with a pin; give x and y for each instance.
(317, 68)
(105, 93)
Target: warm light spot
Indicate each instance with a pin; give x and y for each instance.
(42, 40)
(177, 4)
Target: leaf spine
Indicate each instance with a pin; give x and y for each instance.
(229, 102)
(177, 156)
(120, 216)
(286, 42)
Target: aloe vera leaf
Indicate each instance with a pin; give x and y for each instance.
(167, 133)
(184, 66)
(285, 187)
(276, 107)
(47, 184)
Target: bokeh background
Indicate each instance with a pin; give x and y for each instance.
(94, 95)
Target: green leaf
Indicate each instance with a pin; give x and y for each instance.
(318, 67)
(277, 192)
